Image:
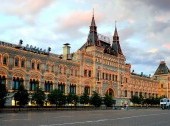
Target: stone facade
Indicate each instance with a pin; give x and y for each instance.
(96, 66)
(162, 75)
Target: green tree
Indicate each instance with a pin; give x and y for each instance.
(135, 99)
(21, 96)
(108, 100)
(57, 97)
(84, 99)
(3, 94)
(152, 101)
(95, 99)
(72, 99)
(39, 97)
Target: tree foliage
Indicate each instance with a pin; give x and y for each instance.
(108, 100)
(57, 97)
(135, 99)
(72, 99)
(84, 99)
(152, 101)
(3, 94)
(149, 101)
(95, 99)
(21, 96)
(39, 96)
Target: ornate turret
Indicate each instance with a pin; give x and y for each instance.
(162, 69)
(116, 44)
(92, 37)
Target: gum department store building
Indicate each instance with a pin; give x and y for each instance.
(99, 65)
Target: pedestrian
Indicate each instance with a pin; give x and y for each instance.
(127, 106)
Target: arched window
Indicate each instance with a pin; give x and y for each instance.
(110, 92)
(38, 66)
(33, 84)
(48, 86)
(33, 64)
(61, 87)
(17, 82)
(2, 80)
(125, 93)
(16, 61)
(5, 60)
(87, 90)
(23, 63)
(72, 89)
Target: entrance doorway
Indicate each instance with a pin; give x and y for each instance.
(110, 92)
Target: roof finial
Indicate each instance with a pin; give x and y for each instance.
(115, 23)
(93, 12)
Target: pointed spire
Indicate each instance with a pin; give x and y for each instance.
(92, 38)
(93, 21)
(116, 45)
(115, 33)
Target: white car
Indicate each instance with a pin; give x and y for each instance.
(165, 103)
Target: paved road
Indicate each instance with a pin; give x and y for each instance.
(140, 117)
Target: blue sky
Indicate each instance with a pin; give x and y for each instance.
(143, 26)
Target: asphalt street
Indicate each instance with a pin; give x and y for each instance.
(133, 117)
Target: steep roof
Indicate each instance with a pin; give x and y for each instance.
(162, 69)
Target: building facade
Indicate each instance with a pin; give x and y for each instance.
(162, 75)
(99, 65)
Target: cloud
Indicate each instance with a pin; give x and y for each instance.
(73, 23)
(159, 4)
(143, 26)
(26, 9)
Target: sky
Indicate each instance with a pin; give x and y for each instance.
(143, 26)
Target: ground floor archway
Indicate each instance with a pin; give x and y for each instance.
(110, 92)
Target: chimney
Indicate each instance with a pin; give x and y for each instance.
(66, 51)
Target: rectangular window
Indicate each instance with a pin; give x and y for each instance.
(5, 61)
(16, 62)
(131, 93)
(106, 76)
(38, 66)
(76, 72)
(22, 63)
(87, 90)
(61, 87)
(125, 93)
(72, 89)
(109, 76)
(85, 73)
(98, 76)
(33, 65)
(115, 77)
(89, 73)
